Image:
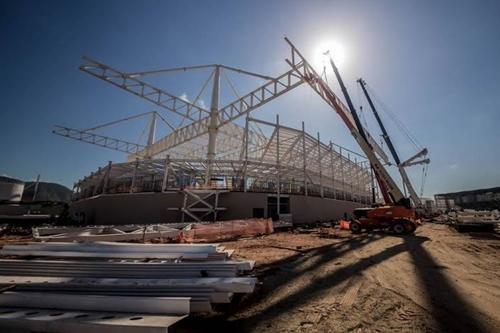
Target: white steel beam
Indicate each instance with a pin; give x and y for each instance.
(99, 140)
(45, 320)
(232, 285)
(142, 89)
(157, 305)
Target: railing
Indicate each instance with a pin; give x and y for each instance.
(124, 185)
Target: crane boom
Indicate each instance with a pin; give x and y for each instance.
(362, 132)
(306, 71)
(385, 135)
(404, 176)
(401, 166)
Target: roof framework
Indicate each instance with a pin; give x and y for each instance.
(292, 158)
(208, 147)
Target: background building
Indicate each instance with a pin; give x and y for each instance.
(487, 199)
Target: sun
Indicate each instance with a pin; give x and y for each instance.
(325, 50)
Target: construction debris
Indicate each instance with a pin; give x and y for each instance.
(191, 232)
(471, 220)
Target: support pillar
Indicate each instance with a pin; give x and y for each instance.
(245, 166)
(164, 183)
(332, 161)
(278, 187)
(372, 180)
(320, 169)
(151, 136)
(351, 184)
(304, 156)
(357, 174)
(134, 176)
(342, 173)
(213, 126)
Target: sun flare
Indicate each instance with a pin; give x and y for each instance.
(324, 51)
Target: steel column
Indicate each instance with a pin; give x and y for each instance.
(213, 125)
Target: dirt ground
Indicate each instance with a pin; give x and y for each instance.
(331, 281)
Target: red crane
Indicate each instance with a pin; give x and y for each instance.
(397, 214)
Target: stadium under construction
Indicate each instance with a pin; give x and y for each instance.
(217, 163)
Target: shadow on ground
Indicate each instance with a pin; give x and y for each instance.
(452, 312)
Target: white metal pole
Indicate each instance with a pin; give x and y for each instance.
(212, 127)
(304, 156)
(372, 181)
(342, 173)
(245, 167)
(320, 169)
(134, 176)
(351, 180)
(165, 174)
(278, 189)
(332, 161)
(357, 169)
(151, 136)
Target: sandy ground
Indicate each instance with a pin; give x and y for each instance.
(332, 281)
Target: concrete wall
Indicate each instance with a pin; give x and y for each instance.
(129, 208)
(137, 208)
(314, 209)
(241, 204)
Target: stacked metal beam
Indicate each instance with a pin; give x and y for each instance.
(105, 233)
(119, 250)
(145, 280)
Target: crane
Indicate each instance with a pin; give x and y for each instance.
(401, 166)
(397, 214)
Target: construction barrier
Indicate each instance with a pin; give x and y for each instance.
(198, 232)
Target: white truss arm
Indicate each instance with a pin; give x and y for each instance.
(232, 111)
(99, 140)
(142, 89)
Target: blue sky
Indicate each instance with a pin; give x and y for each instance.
(435, 64)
